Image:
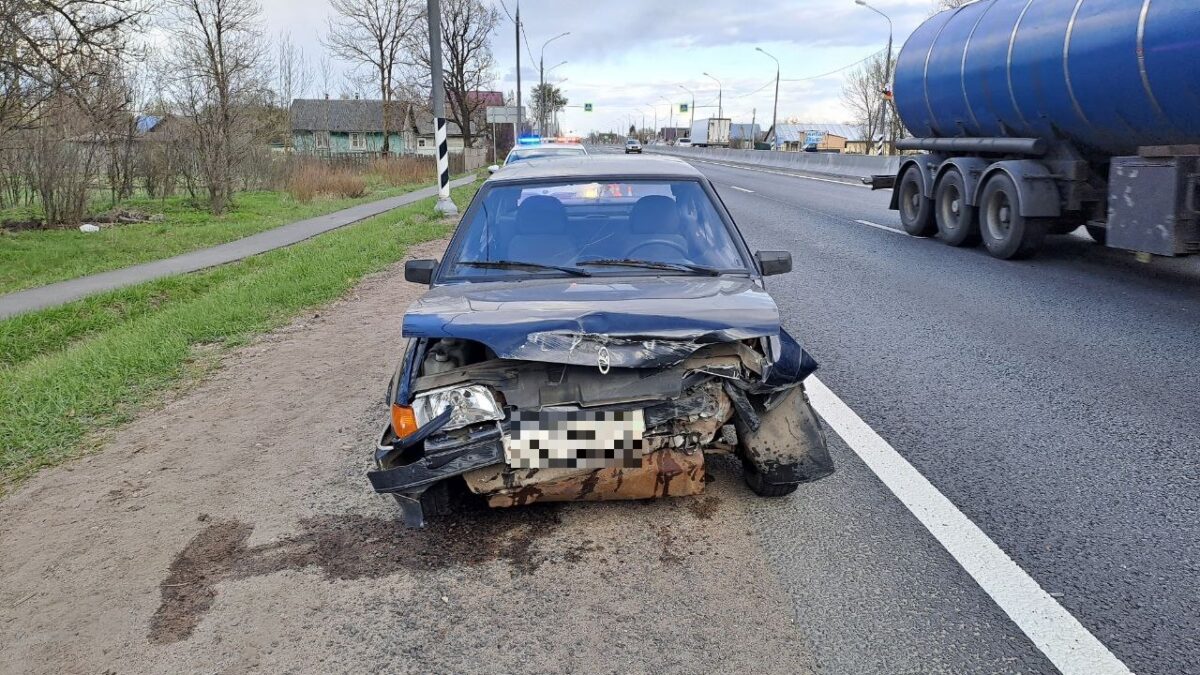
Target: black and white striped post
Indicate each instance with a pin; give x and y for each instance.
(445, 205)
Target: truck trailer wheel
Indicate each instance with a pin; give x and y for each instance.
(957, 222)
(1006, 233)
(916, 211)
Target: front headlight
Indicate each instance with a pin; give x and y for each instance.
(469, 405)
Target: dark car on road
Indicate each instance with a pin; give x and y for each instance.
(595, 327)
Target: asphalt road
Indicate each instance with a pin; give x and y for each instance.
(1053, 401)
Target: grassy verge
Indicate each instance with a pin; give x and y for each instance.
(71, 372)
(32, 258)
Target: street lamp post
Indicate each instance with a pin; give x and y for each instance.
(670, 112)
(542, 82)
(775, 114)
(889, 140)
(692, 109)
(720, 95)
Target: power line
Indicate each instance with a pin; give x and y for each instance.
(833, 72)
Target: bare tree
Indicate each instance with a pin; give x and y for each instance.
(52, 48)
(216, 57)
(863, 95)
(467, 61)
(371, 34)
(293, 78)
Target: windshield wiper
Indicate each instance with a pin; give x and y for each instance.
(653, 265)
(518, 264)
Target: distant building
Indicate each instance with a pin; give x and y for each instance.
(671, 134)
(348, 126)
(744, 136)
(823, 137)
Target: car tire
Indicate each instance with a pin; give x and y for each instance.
(1006, 233)
(1097, 233)
(957, 222)
(916, 210)
(760, 487)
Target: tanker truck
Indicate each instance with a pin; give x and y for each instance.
(1037, 117)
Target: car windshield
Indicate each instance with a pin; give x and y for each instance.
(625, 227)
(531, 153)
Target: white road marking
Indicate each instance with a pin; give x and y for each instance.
(741, 189)
(877, 226)
(1059, 635)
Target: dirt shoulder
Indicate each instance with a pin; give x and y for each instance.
(233, 530)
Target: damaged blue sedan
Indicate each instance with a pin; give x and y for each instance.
(596, 326)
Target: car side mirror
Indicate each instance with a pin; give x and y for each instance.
(493, 168)
(420, 271)
(771, 263)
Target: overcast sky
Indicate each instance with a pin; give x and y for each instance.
(626, 55)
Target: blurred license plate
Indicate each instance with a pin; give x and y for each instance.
(575, 439)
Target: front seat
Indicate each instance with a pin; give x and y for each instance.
(656, 218)
(541, 233)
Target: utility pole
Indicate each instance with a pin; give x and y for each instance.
(517, 129)
(774, 115)
(888, 137)
(445, 205)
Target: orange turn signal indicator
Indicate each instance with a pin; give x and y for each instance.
(404, 422)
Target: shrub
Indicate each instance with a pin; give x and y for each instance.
(403, 170)
(312, 179)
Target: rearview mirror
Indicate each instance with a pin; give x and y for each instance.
(493, 168)
(771, 263)
(420, 271)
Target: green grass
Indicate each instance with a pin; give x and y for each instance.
(32, 258)
(69, 373)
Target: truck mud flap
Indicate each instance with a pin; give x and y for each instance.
(880, 181)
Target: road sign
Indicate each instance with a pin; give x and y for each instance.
(506, 114)
(683, 107)
(587, 107)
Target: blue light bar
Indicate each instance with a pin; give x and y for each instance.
(529, 140)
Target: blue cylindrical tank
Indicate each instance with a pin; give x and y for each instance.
(1107, 75)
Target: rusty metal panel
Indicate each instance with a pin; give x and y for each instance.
(664, 473)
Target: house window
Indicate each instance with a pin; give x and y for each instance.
(358, 141)
(421, 143)
(322, 140)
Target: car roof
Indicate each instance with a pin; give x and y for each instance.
(595, 166)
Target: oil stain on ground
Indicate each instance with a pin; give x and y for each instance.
(344, 548)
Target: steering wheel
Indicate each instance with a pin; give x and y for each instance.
(662, 242)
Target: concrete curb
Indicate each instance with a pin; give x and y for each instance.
(63, 292)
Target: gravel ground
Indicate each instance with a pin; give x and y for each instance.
(233, 529)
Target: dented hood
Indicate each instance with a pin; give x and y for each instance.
(631, 322)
